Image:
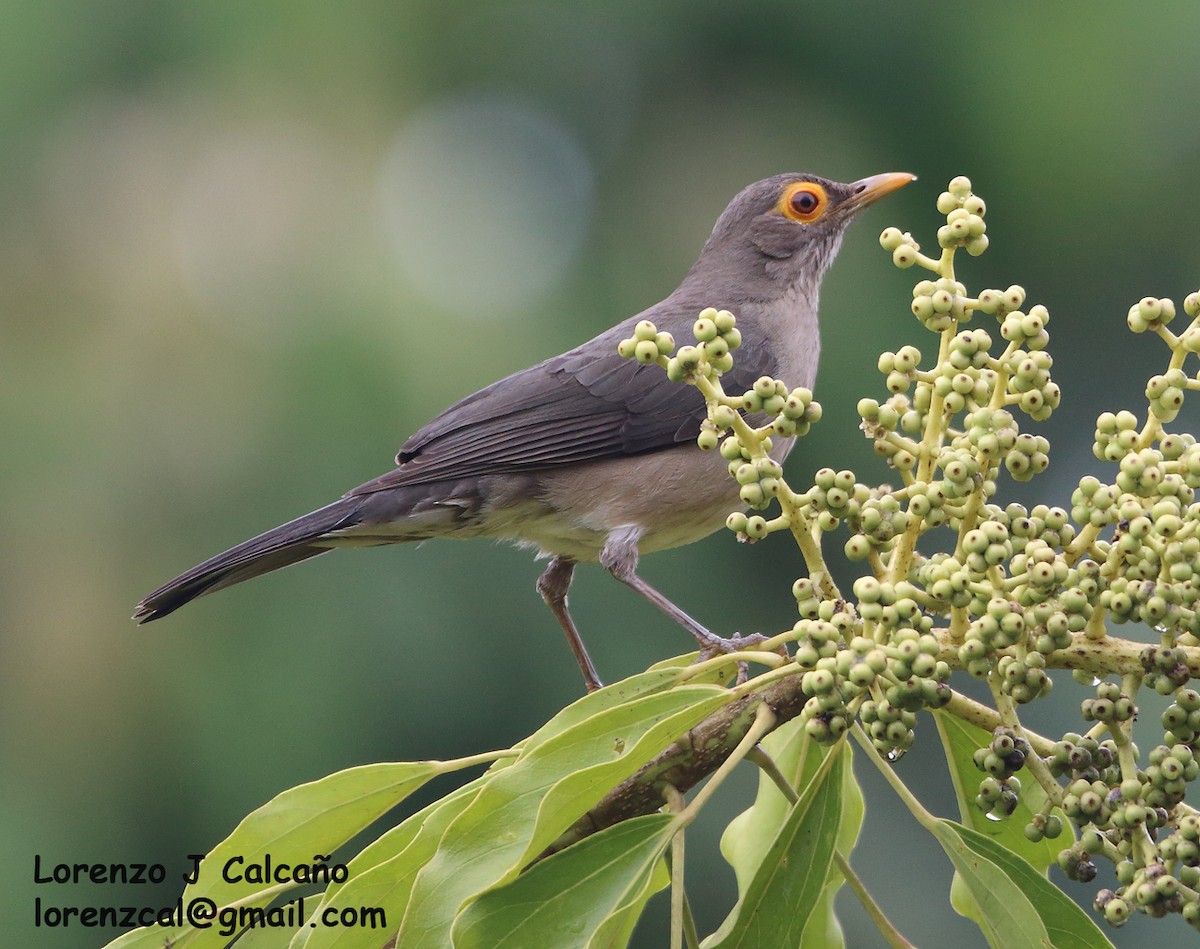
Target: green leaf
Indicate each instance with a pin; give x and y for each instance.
(382, 875)
(617, 930)
(960, 740)
(784, 897)
(293, 828)
(721, 675)
(312, 819)
(659, 678)
(825, 930)
(749, 835)
(430, 821)
(525, 806)
(1018, 906)
(798, 758)
(565, 900)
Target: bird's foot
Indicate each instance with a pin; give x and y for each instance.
(712, 646)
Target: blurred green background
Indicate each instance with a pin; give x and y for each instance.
(238, 242)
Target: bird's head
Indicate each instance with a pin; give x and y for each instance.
(787, 229)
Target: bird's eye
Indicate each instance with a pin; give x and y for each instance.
(804, 202)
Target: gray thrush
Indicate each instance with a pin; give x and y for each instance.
(589, 456)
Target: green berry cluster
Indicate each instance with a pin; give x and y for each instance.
(969, 380)
(1150, 563)
(939, 304)
(760, 480)
(1084, 757)
(1168, 884)
(1152, 890)
(1022, 585)
(647, 344)
(788, 413)
(875, 526)
(964, 212)
(794, 411)
(1087, 802)
(1165, 394)
(1016, 591)
(1122, 811)
(1116, 435)
(1166, 777)
(1181, 719)
(879, 663)
(1180, 853)
(836, 495)
(1150, 313)
(1000, 760)
(1045, 601)
(964, 226)
(1110, 705)
(740, 426)
(904, 248)
(716, 336)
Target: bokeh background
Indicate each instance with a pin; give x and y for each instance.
(247, 248)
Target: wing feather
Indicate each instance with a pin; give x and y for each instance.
(584, 405)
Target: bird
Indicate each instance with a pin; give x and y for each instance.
(587, 456)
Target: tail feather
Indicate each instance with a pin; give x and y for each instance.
(280, 547)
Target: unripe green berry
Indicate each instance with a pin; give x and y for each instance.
(756, 527)
(976, 245)
(1191, 304)
(704, 329)
(754, 495)
(1150, 309)
(716, 348)
(947, 202)
(1117, 911)
(646, 351)
(857, 548)
(724, 416)
(975, 205)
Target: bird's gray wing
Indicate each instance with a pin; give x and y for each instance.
(586, 404)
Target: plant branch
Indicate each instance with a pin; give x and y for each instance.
(707, 746)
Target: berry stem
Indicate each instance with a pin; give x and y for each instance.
(924, 818)
(886, 928)
(677, 804)
(764, 721)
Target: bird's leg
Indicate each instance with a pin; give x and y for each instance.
(620, 558)
(553, 586)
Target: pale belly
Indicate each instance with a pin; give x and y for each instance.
(676, 497)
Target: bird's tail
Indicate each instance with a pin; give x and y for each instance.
(284, 545)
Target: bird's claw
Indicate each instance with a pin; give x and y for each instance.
(718, 646)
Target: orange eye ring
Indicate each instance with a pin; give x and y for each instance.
(804, 201)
